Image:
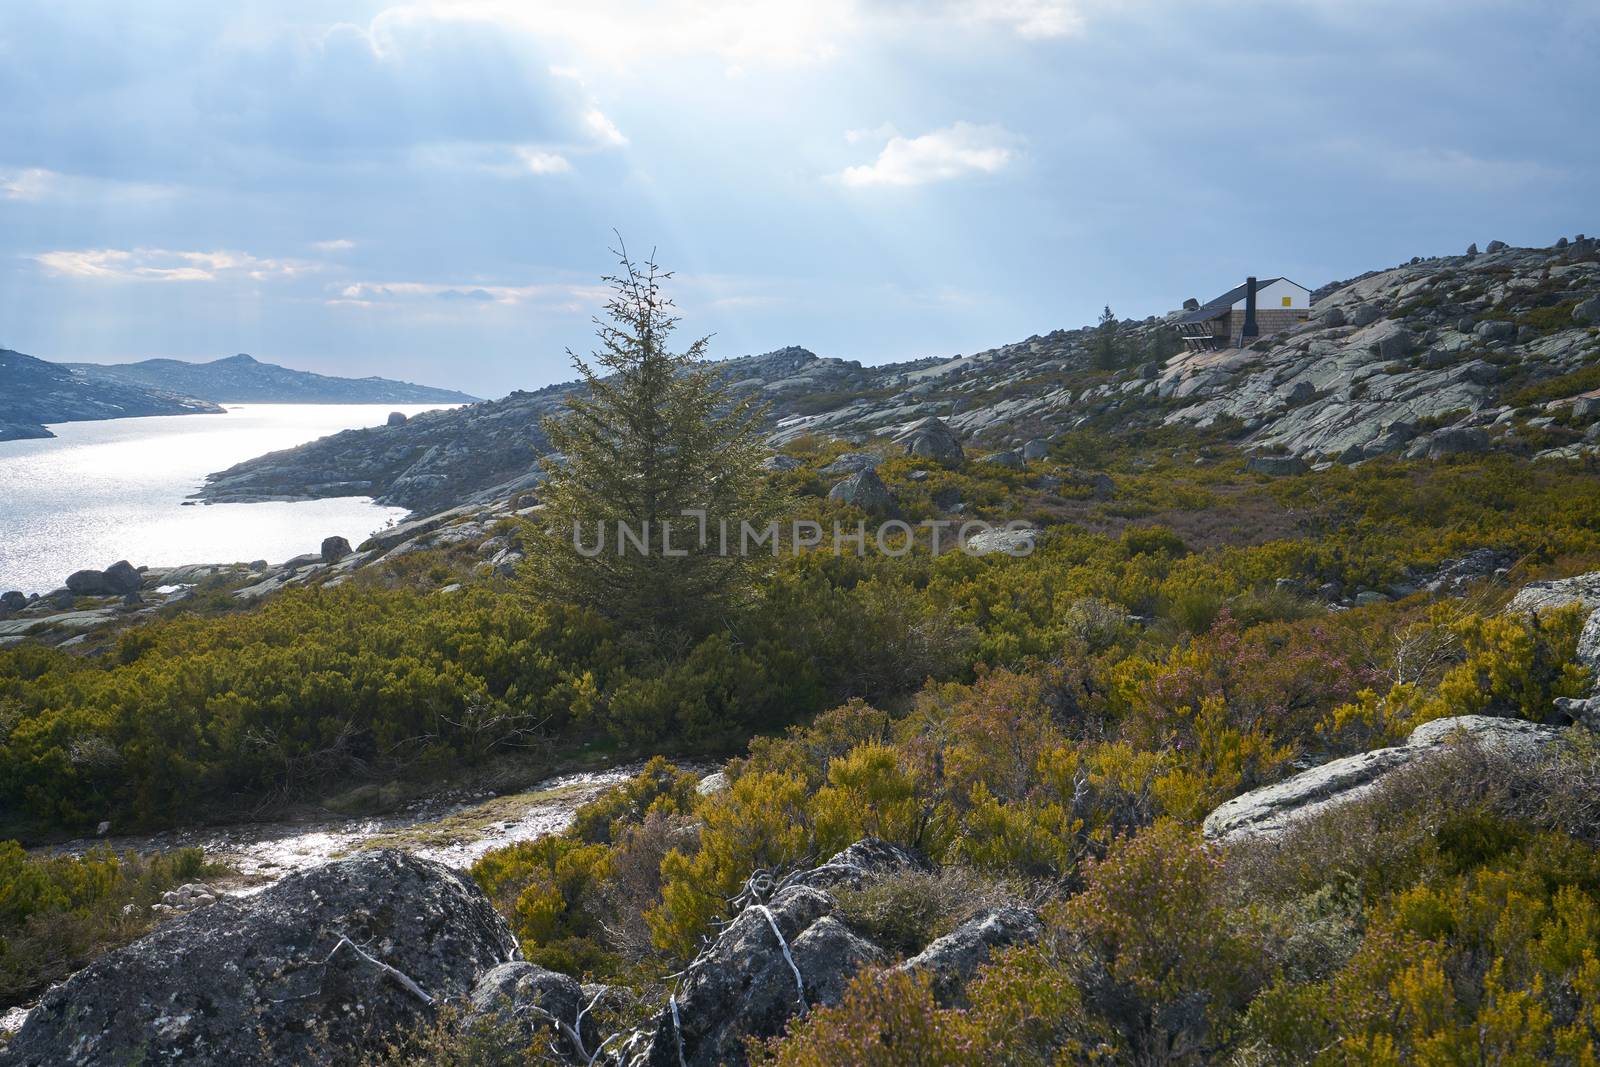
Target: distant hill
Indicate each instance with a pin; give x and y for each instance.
(243, 380)
(34, 392)
(1491, 352)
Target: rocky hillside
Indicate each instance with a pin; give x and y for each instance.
(34, 392)
(1491, 350)
(488, 451)
(243, 380)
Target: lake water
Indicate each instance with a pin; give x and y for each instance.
(103, 491)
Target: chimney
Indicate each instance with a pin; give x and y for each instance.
(1250, 328)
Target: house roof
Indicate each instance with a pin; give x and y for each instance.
(1224, 303)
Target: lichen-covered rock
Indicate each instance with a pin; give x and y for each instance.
(1581, 589)
(772, 962)
(931, 439)
(952, 959)
(851, 462)
(316, 966)
(864, 490)
(864, 861)
(1269, 811)
(1276, 465)
(542, 1005)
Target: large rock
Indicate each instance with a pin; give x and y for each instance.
(867, 860)
(1269, 811)
(1276, 465)
(781, 463)
(1456, 440)
(1581, 589)
(396, 418)
(1013, 542)
(118, 579)
(1587, 312)
(952, 959)
(314, 968)
(851, 462)
(1365, 315)
(932, 439)
(772, 962)
(334, 549)
(1496, 331)
(864, 490)
(545, 1006)
(1011, 459)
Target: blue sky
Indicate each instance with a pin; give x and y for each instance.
(427, 190)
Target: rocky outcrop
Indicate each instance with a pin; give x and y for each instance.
(119, 579)
(317, 966)
(852, 462)
(954, 958)
(334, 549)
(773, 961)
(931, 439)
(1269, 811)
(865, 861)
(546, 1006)
(864, 490)
(781, 958)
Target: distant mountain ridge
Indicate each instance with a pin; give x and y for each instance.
(242, 379)
(34, 392)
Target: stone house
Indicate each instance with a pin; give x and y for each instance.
(1245, 312)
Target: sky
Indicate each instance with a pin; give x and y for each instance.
(431, 190)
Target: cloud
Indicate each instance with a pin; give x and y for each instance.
(338, 244)
(34, 183)
(957, 151)
(604, 130)
(165, 265)
(554, 297)
(495, 160)
(539, 161)
(1027, 18)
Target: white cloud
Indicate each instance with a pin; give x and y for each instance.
(538, 161)
(615, 34)
(338, 244)
(166, 265)
(498, 160)
(555, 297)
(957, 151)
(1027, 18)
(605, 131)
(619, 35)
(34, 183)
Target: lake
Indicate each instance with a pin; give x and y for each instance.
(104, 491)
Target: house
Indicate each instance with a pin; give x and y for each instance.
(1243, 313)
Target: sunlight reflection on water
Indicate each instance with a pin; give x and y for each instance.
(104, 491)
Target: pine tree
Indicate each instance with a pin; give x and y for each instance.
(653, 435)
(1107, 346)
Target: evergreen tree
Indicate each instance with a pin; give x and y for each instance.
(1107, 345)
(653, 435)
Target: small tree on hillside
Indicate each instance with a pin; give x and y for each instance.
(653, 436)
(1107, 344)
